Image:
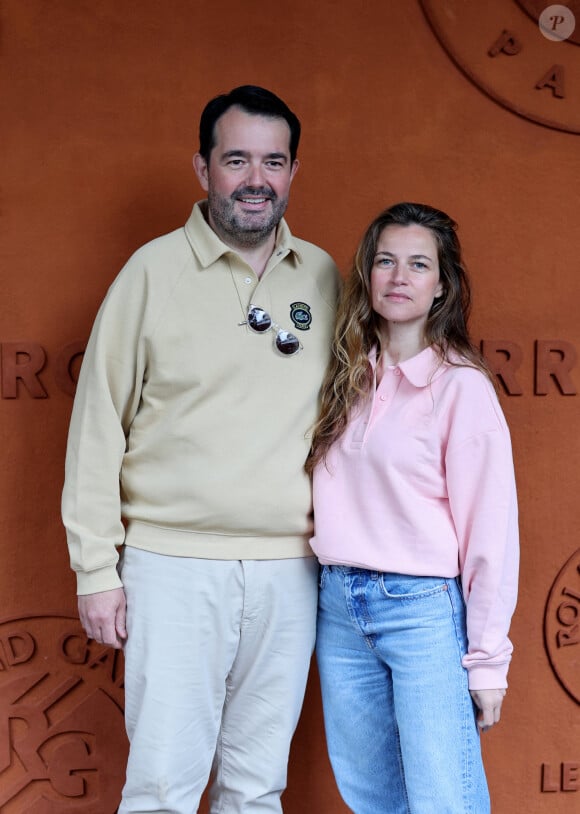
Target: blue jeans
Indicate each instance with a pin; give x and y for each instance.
(400, 723)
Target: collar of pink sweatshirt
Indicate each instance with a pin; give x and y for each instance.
(422, 482)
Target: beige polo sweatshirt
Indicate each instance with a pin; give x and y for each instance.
(189, 431)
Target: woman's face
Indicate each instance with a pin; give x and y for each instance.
(405, 275)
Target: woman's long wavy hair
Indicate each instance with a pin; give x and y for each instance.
(349, 376)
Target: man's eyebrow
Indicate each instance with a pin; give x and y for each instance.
(235, 153)
(246, 154)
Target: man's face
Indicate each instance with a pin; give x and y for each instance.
(248, 177)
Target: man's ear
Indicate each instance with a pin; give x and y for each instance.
(294, 169)
(201, 170)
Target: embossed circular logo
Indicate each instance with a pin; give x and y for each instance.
(62, 739)
(503, 48)
(562, 626)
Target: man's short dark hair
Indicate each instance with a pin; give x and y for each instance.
(254, 100)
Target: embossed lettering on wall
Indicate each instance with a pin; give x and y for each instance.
(563, 777)
(23, 367)
(62, 741)
(500, 47)
(23, 363)
(554, 361)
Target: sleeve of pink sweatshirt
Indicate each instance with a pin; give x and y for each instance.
(482, 500)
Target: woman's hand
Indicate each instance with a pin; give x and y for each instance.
(488, 703)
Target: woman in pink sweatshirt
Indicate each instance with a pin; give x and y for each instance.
(416, 529)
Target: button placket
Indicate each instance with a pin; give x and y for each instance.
(385, 393)
(245, 284)
(379, 402)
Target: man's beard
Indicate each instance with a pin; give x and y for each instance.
(250, 228)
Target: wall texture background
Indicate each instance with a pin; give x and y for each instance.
(399, 100)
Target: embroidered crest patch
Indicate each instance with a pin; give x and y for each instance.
(301, 316)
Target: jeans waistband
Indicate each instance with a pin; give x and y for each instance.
(371, 573)
(353, 569)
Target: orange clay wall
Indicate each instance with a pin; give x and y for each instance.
(460, 104)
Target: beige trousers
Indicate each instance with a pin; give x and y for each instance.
(216, 664)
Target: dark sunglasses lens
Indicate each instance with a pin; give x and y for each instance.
(259, 320)
(287, 343)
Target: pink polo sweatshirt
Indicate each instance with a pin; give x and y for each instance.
(422, 482)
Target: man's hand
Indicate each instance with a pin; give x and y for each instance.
(488, 702)
(103, 617)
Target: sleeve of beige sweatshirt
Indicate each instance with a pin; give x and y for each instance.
(107, 397)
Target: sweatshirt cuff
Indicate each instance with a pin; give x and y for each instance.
(488, 676)
(93, 582)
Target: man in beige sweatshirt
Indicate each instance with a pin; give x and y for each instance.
(186, 449)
